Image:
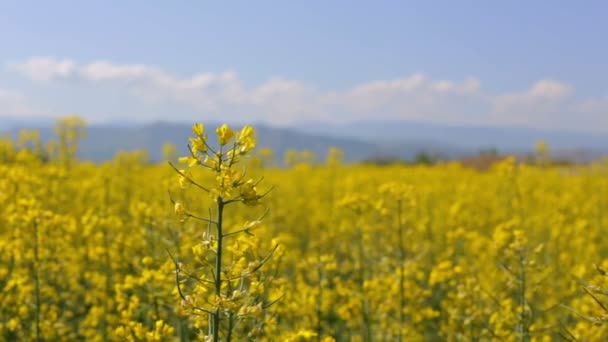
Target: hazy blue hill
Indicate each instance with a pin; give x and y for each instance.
(467, 137)
(103, 141)
(360, 140)
(13, 124)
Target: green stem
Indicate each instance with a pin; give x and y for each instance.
(319, 296)
(401, 273)
(366, 329)
(230, 328)
(218, 268)
(36, 282)
(523, 317)
(108, 265)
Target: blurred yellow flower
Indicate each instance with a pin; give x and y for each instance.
(224, 134)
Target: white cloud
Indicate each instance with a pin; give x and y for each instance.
(103, 71)
(414, 97)
(13, 103)
(550, 89)
(541, 93)
(546, 103)
(45, 68)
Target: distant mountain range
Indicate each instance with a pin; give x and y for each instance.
(359, 140)
(103, 141)
(476, 137)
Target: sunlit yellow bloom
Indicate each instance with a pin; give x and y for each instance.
(198, 129)
(246, 139)
(179, 209)
(212, 162)
(224, 134)
(13, 324)
(249, 193)
(191, 161)
(182, 178)
(197, 145)
(147, 261)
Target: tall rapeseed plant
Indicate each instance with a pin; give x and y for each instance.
(227, 293)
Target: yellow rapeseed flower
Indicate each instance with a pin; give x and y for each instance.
(246, 139)
(198, 129)
(224, 134)
(191, 161)
(179, 209)
(197, 145)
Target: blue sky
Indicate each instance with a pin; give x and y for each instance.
(527, 63)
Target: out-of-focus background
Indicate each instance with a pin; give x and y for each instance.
(383, 81)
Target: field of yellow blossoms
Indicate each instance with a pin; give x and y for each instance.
(223, 245)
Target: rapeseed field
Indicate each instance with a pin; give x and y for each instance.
(224, 245)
